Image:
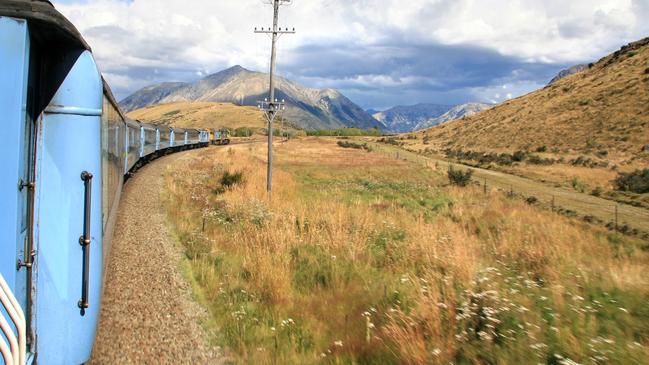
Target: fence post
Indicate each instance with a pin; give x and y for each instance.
(485, 186)
(553, 203)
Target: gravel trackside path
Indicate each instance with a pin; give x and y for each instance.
(148, 315)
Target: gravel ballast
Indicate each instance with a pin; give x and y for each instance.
(148, 315)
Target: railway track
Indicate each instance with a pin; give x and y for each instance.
(147, 312)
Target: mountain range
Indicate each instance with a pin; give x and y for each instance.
(407, 118)
(306, 107)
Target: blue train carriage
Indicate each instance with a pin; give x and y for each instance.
(62, 159)
(178, 138)
(164, 139)
(149, 140)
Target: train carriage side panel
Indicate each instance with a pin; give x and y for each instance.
(133, 144)
(193, 136)
(165, 138)
(69, 144)
(178, 137)
(113, 130)
(141, 149)
(14, 156)
(149, 133)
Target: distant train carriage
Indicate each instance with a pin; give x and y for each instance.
(133, 142)
(179, 137)
(148, 140)
(66, 149)
(164, 139)
(220, 137)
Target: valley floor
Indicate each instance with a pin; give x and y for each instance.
(360, 257)
(561, 199)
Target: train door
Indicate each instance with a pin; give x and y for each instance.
(68, 234)
(17, 161)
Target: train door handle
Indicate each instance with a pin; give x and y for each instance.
(84, 240)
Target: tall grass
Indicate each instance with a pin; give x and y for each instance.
(359, 258)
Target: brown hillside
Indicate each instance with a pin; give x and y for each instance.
(603, 109)
(201, 115)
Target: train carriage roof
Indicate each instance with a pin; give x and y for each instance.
(49, 26)
(47, 23)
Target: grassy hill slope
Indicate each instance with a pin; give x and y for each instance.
(201, 115)
(603, 110)
(579, 132)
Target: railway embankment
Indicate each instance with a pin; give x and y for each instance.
(148, 315)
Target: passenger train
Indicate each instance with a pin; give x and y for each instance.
(66, 151)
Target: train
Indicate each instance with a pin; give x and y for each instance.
(220, 137)
(67, 151)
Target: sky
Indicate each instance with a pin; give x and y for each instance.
(379, 53)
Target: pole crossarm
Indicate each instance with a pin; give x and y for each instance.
(270, 31)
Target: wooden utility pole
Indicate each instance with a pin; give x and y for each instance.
(271, 105)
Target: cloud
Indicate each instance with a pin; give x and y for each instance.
(377, 52)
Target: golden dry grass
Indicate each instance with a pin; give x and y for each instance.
(359, 258)
(207, 115)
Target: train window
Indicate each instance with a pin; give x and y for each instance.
(112, 127)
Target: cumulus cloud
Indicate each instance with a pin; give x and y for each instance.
(377, 52)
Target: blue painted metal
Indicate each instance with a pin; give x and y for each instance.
(149, 139)
(68, 145)
(14, 67)
(133, 135)
(142, 142)
(73, 110)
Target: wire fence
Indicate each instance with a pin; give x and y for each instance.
(618, 217)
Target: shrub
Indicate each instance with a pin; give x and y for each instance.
(532, 200)
(542, 149)
(242, 132)
(459, 177)
(229, 180)
(390, 140)
(598, 191)
(171, 113)
(636, 181)
(373, 132)
(536, 160)
(578, 185)
(358, 146)
(519, 156)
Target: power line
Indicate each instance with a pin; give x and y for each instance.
(271, 105)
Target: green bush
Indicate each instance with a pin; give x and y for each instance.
(350, 132)
(242, 132)
(519, 156)
(229, 179)
(636, 181)
(358, 146)
(459, 177)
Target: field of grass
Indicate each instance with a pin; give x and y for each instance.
(361, 258)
